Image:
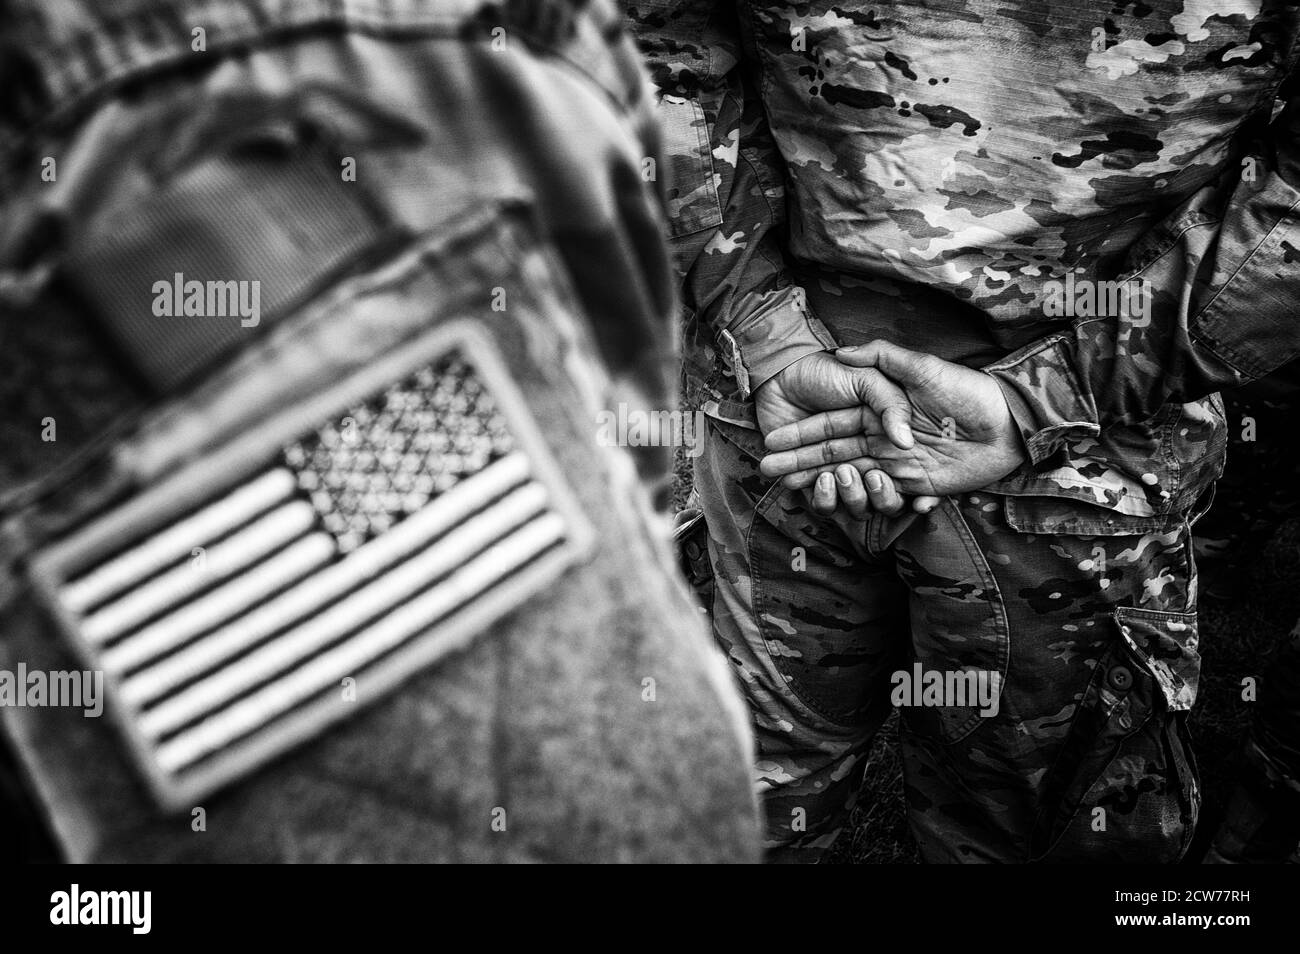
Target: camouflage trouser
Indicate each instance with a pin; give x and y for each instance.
(1091, 639)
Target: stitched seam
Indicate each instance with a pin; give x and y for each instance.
(997, 606)
(768, 500)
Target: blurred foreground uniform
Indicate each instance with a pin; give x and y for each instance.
(918, 172)
(319, 302)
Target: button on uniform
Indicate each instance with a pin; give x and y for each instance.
(1120, 678)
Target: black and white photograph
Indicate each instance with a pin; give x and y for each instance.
(651, 431)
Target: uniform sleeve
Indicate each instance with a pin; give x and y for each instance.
(726, 190)
(1223, 277)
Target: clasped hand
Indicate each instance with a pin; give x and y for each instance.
(869, 426)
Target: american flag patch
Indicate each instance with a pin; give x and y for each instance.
(359, 537)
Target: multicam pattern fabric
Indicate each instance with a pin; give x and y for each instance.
(953, 157)
(726, 202)
(1086, 756)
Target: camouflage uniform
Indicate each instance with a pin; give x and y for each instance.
(498, 147)
(918, 172)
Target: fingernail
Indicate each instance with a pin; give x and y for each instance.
(848, 349)
(874, 483)
(824, 481)
(845, 476)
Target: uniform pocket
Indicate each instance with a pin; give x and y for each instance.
(961, 639)
(1063, 516)
(817, 618)
(1124, 787)
(693, 202)
(226, 226)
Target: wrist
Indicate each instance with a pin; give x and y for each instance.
(779, 331)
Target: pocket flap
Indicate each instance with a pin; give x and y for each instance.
(1070, 517)
(693, 202)
(1165, 643)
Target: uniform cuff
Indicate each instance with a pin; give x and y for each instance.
(777, 331)
(1048, 399)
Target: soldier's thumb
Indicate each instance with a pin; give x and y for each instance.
(890, 403)
(904, 366)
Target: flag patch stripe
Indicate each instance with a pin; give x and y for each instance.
(219, 605)
(175, 544)
(316, 592)
(397, 585)
(236, 553)
(324, 671)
